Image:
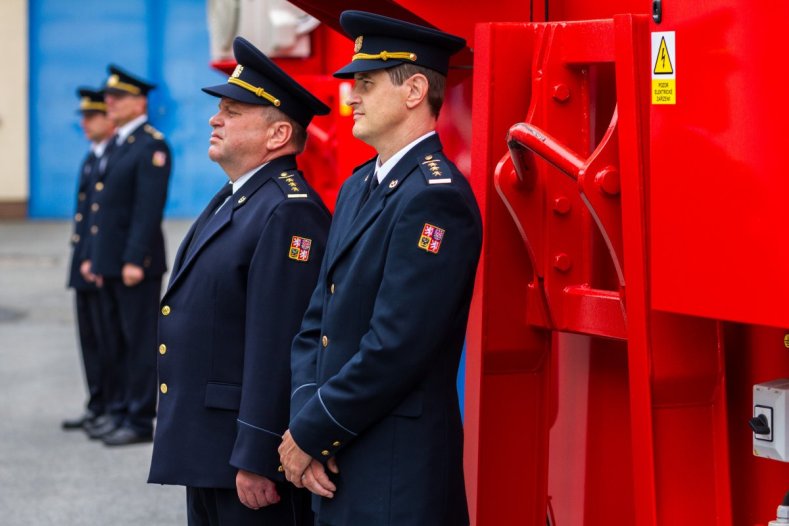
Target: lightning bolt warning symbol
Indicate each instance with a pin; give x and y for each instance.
(663, 60)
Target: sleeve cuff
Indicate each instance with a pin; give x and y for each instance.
(134, 255)
(317, 432)
(255, 450)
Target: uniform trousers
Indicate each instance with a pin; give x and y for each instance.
(91, 343)
(221, 507)
(130, 317)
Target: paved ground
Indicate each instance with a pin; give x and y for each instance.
(47, 476)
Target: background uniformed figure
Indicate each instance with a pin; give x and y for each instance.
(375, 362)
(240, 285)
(127, 258)
(98, 128)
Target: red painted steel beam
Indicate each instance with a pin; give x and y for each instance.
(507, 367)
(677, 373)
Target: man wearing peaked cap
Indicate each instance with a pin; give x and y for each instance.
(125, 256)
(381, 42)
(121, 82)
(375, 430)
(98, 129)
(259, 81)
(241, 281)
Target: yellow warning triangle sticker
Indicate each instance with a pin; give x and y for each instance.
(663, 60)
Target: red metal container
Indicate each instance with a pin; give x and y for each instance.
(633, 271)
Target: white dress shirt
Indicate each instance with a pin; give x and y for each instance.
(382, 170)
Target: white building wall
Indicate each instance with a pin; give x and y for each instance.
(14, 133)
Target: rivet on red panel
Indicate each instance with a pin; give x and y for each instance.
(561, 92)
(607, 180)
(561, 205)
(561, 262)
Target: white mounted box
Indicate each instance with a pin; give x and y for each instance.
(770, 406)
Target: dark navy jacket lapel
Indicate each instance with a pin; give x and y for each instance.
(225, 214)
(119, 150)
(352, 227)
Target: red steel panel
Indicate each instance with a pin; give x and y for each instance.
(639, 416)
(718, 189)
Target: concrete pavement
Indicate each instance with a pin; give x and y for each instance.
(48, 476)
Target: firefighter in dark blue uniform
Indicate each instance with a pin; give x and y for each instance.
(98, 128)
(241, 282)
(375, 429)
(127, 259)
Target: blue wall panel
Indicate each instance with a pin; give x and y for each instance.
(70, 45)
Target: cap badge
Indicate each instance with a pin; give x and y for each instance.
(357, 44)
(300, 248)
(113, 80)
(237, 72)
(430, 240)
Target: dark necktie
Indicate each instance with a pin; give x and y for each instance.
(101, 165)
(220, 197)
(372, 185)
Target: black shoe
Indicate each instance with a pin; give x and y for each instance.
(124, 436)
(77, 423)
(101, 429)
(96, 422)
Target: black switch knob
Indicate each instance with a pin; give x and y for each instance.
(760, 425)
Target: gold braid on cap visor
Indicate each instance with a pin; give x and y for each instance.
(386, 55)
(260, 92)
(115, 83)
(93, 106)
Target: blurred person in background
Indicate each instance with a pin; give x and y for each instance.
(127, 258)
(98, 129)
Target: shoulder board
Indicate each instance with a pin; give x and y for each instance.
(292, 184)
(435, 168)
(364, 164)
(153, 132)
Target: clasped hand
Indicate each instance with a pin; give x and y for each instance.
(303, 471)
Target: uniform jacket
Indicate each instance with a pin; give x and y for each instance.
(376, 358)
(233, 307)
(127, 207)
(88, 175)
